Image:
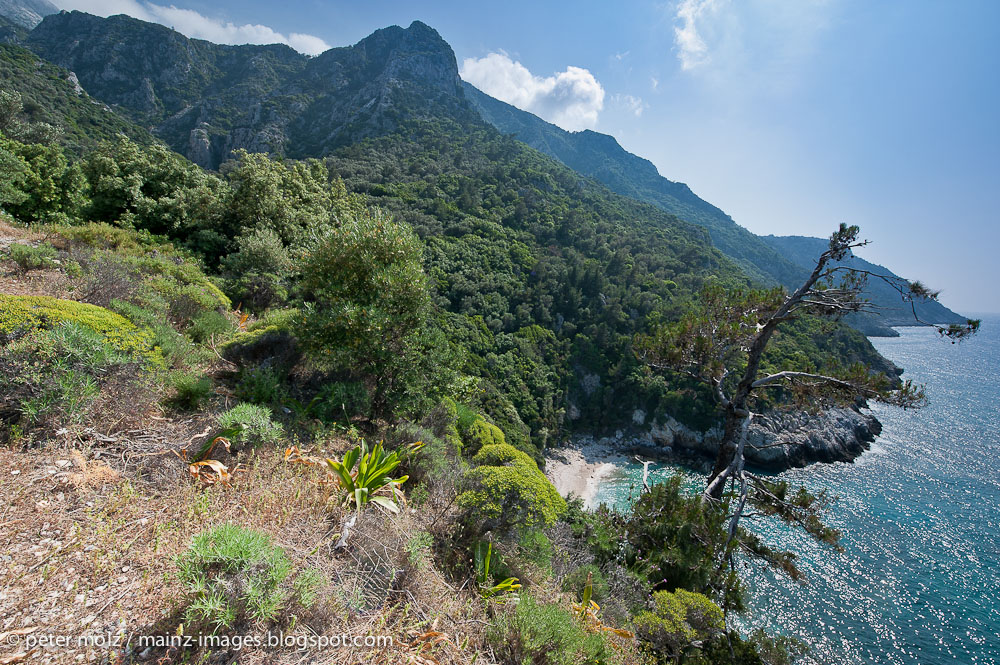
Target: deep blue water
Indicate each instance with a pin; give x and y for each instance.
(919, 580)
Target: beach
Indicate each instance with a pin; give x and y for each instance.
(580, 470)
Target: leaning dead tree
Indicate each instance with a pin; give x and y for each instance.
(721, 341)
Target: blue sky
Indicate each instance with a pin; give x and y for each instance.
(791, 116)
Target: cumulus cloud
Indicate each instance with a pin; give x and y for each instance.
(199, 26)
(572, 99)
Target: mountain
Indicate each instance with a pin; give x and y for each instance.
(769, 259)
(541, 276)
(10, 32)
(890, 308)
(26, 13)
(51, 94)
(206, 100)
(602, 158)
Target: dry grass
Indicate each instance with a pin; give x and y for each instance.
(90, 532)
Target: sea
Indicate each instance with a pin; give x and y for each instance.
(918, 582)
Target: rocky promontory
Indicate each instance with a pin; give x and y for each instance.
(777, 440)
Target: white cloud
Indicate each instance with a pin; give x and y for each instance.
(764, 43)
(199, 26)
(572, 99)
(633, 104)
(691, 47)
(654, 82)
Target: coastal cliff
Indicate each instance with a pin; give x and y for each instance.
(777, 440)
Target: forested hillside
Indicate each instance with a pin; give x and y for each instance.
(316, 386)
(600, 157)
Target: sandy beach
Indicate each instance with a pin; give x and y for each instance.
(580, 469)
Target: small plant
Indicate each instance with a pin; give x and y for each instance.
(29, 258)
(249, 424)
(418, 549)
(360, 485)
(537, 633)
(484, 560)
(587, 612)
(306, 586)
(579, 578)
(190, 390)
(232, 575)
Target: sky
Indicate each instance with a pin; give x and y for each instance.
(790, 115)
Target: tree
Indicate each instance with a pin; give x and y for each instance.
(367, 303)
(721, 341)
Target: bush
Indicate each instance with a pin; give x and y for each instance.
(250, 425)
(260, 385)
(546, 635)
(674, 541)
(680, 618)
(21, 314)
(368, 304)
(209, 324)
(232, 575)
(57, 375)
(190, 390)
(481, 433)
(258, 272)
(507, 490)
(29, 258)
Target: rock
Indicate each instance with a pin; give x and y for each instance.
(785, 440)
(776, 441)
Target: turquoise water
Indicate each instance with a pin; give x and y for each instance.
(919, 580)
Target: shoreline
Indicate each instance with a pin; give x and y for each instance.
(579, 470)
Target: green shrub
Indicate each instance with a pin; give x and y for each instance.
(342, 399)
(29, 258)
(577, 580)
(175, 347)
(680, 618)
(190, 390)
(368, 305)
(232, 575)
(507, 490)
(20, 314)
(443, 423)
(481, 433)
(546, 635)
(250, 425)
(209, 324)
(674, 540)
(57, 375)
(260, 385)
(258, 272)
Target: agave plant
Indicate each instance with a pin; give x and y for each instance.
(364, 483)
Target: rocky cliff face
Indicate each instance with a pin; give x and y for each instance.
(777, 441)
(206, 100)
